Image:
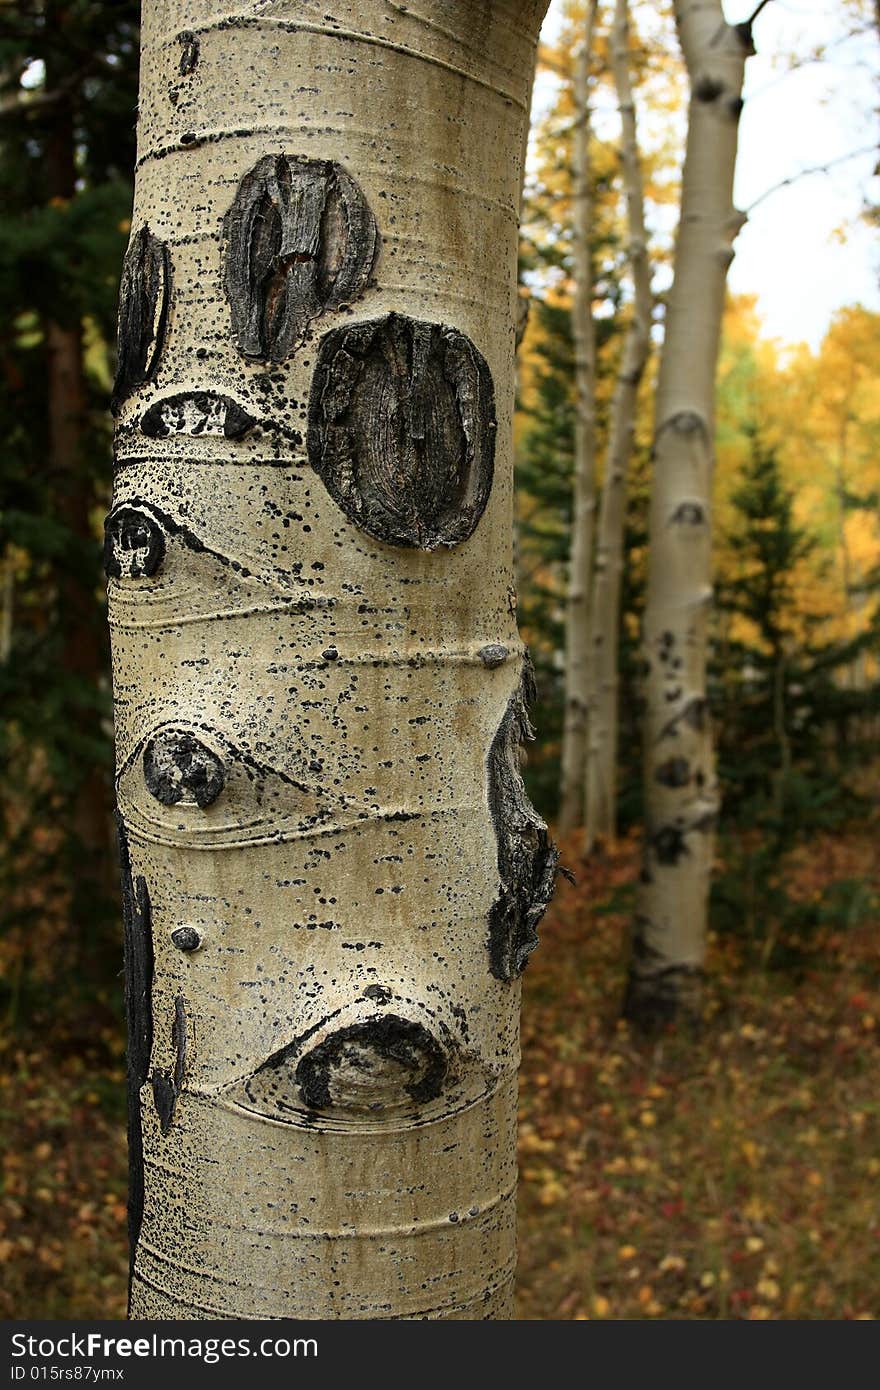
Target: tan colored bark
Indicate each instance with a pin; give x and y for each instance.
(681, 796)
(601, 768)
(577, 608)
(324, 1060)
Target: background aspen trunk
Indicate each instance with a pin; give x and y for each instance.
(577, 611)
(332, 874)
(601, 767)
(681, 797)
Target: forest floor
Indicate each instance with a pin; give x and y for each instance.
(728, 1174)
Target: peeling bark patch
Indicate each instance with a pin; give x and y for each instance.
(369, 1065)
(138, 962)
(144, 294)
(674, 772)
(402, 430)
(196, 413)
(494, 654)
(167, 1085)
(527, 860)
(178, 767)
(299, 239)
(134, 544)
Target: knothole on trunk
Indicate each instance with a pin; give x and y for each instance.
(402, 429)
(299, 239)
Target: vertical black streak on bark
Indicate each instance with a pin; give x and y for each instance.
(527, 861)
(138, 959)
(167, 1085)
(144, 293)
(402, 429)
(299, 239)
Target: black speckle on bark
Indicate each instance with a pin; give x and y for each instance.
(668, 844)
(527, 860)
(195, 413)
(674, 772)
(138, 960)
(299, 239)
(178, 766)
(402, 430)
(189, 52)
(134, 544)
(735, 107)
(494, 654)
(367, 1047)
(187, 938)
(144, 294)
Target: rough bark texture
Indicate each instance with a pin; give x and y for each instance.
(332, 873)
(681, 797)
(601, 768)
(577, 609)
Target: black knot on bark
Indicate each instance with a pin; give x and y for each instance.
(299, 239)
(178, 767)
(134, 544)
(708, 88)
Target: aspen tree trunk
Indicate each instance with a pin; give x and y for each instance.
(681, 797)
(577, 610)
(601, 769)
(332, 874)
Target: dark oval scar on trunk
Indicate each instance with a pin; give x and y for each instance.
(299, 239)
(189, 52)
(178, 767)
(527, 860)
(368, 1065)
(493, 654)
(144, 295)
(402, 429)
(674, 772)
(196, 413)
(134, 544)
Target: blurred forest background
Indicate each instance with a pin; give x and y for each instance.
(722, 1170)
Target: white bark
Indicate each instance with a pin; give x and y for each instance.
(577, 610)
(601, 769)
(332, 875)
(681, 797)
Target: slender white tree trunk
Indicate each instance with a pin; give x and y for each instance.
(681, 797)
(601, 769)
(332, 875)
(577, 610)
